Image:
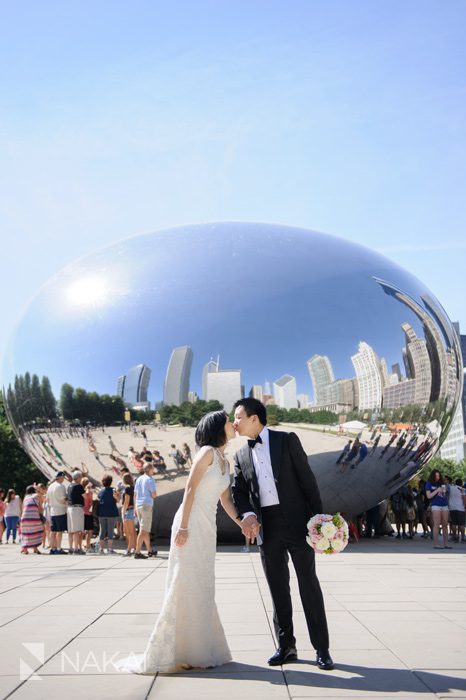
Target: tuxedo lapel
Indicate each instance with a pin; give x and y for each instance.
(275, 444)
(249, 472)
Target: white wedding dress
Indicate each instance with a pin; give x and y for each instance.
(188, 632)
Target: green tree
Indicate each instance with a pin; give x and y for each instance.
(16, 469)
(188, 414)
(66, 402)
(49, 403)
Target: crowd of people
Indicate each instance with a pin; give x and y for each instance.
(71, 503)
(436, 506)
(95, 515)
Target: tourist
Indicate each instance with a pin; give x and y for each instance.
(344, 452)
(88, 498)
(421, 507)
(145, 491)
(2, 514)
(436, 493)
(411, 511)
(178, 459)
(75, 513)
(375, 443)
(42, 493)
(186, 452)
(457, 510)
(108, 514)
(159, 463)
(128, 514)
(56, 501)
(398, 502)
(32, 528)
(12, 514)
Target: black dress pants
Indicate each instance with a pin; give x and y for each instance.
(278, 544)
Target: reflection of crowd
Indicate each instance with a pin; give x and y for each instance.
(407, 447)
(353, 454)
(437, 506)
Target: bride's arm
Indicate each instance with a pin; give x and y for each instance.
(202, 462)
(228, 506)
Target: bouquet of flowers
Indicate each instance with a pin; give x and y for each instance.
(328, 534)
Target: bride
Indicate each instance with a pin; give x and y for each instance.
(188, 632)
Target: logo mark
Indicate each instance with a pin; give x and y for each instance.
(36, 652)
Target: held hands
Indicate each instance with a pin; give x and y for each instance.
(181, 537)
(250, 527)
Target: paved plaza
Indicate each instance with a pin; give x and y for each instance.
(396, 609)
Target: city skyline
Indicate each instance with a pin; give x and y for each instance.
(372, 387)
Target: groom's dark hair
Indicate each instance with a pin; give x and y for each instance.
(253, 407)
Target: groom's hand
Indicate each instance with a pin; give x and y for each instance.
(250, 527)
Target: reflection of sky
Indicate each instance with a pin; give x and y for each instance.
(265, 298)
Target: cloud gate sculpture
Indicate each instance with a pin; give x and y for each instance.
(339, 342)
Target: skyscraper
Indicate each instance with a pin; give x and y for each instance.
(462, 338)
(418, 361)
(284, 391)
(368, 370)
(257, 392)
(433, 337)
(453, 447)
(176, 386)
(321, 373)
(136, 385)
(210, 366)
(121, 385)
(224, 385)
(303, 400)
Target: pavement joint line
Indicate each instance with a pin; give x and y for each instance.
(37, 670)
(258, 581)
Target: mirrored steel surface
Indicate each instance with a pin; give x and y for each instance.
(305, 321)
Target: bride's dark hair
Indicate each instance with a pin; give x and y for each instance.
(211, 429)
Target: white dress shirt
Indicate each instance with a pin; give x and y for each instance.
(263, 466)
(268, 494)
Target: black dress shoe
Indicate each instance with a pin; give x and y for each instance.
(324, 660)
(283, 656)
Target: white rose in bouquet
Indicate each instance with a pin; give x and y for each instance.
(338, 545)
(328, 530)
(322, 544)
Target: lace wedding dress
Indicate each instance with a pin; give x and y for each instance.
(188, 632)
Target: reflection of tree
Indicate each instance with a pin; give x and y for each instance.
(88, 406)
(188, 413)
(31, 399)
(275, 415)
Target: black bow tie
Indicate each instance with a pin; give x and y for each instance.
(253, 443)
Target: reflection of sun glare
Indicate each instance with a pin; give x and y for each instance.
(88, 291)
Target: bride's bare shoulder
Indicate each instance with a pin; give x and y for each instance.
(206, 454)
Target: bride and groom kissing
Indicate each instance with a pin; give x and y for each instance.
(273, 495)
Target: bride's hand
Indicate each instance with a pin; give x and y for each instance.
(181, 537)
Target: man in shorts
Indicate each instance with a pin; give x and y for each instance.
(56, 498)
(144, 493)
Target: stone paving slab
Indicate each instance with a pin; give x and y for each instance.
(396, 612)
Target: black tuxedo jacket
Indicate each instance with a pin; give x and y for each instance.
(297, 488)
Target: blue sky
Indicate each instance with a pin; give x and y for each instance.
(121, 118)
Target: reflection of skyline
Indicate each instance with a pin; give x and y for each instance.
(372, 388)
(431, 372)
(176, 386)
(133, 386)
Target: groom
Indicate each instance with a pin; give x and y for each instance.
(275, 494)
